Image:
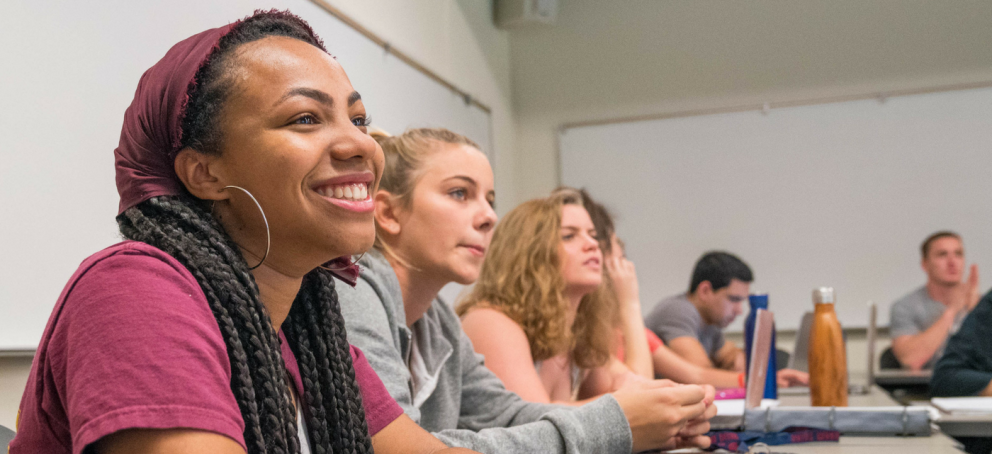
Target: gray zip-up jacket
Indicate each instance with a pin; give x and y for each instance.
(450, 392)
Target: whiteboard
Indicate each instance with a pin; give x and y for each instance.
(68, 70)
(836, 195)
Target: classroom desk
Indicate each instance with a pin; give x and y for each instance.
(934, 444)
(876, 397)
(962, 425)
(937, 443)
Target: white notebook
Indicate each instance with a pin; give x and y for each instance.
(963, 404)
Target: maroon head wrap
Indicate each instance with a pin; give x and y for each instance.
(152, 132)
(152, 128)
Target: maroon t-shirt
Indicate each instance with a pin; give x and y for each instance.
(132, 343)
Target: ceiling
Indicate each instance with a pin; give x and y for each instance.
(608, 53)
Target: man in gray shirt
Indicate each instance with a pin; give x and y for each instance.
(692, 323)
(921, 321)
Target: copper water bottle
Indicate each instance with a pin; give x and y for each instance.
(827, 357)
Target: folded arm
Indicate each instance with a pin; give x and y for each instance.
(914, 351)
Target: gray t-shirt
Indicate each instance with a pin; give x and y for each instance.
(914, 313)
(676, 317)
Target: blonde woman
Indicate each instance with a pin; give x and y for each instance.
(435, 220)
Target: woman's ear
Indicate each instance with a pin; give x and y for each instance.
(386, 212)
(198, 172)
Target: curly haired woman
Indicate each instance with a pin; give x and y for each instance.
(534, 316)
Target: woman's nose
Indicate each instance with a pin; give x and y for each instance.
(486, 219)
(353, 144)
(591, 243)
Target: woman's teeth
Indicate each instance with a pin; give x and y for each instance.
(345, 191)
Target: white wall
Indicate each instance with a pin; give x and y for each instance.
(457, 40)
(454, 38)
(612, 59)
(605, 60)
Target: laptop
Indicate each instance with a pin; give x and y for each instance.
(799, 359)
(730, 413)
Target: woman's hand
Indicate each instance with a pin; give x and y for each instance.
(663, 414)
(693, 434)
(792, 377)
(624, 283)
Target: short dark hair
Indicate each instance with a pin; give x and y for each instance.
(719, 268)
(925, 247)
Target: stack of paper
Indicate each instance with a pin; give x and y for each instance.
(958, 405)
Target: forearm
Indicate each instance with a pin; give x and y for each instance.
(635, 342)
(719, 378)
(731, 359)
(599, 426)
(669, 365)
(914, 351)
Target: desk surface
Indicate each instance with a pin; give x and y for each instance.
(962, 425)
(903, 377)
(938, 443)
(874, 398)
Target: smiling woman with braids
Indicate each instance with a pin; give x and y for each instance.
(245, 170)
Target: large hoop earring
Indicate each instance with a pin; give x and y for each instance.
(268, 233)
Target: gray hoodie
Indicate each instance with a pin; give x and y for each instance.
(450, 392)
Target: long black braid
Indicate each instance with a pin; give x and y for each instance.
(183, 227)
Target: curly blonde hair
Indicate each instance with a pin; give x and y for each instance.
(602, 221)
(522, 278)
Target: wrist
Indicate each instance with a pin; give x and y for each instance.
(631, 306)
(741, 380)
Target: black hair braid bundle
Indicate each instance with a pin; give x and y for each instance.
(316, 334)
(181, 228)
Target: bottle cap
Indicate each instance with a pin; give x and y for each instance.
(758, 301)
(823, 295)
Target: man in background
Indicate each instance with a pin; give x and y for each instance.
(921, 321)
(692, 323)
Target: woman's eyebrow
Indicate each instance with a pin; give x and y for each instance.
(353, 98)
(466, 179)
(311, 93)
